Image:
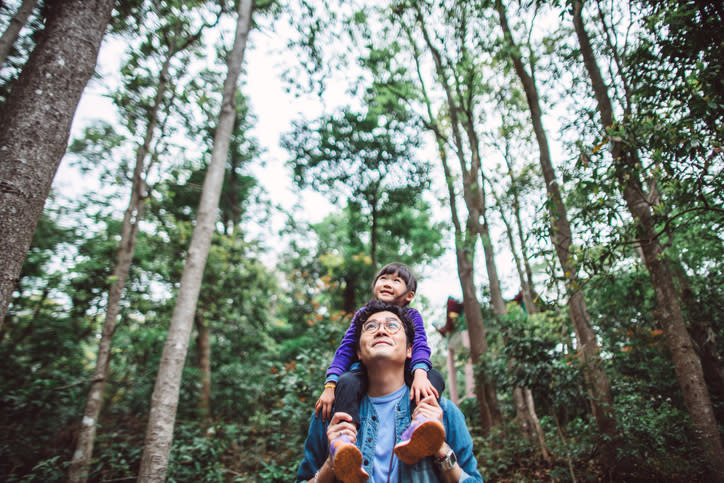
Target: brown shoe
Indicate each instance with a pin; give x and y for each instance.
(423, 438)
(347, 461)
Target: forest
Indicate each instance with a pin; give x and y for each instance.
(195, 197)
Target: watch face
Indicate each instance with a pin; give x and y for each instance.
(448, 461)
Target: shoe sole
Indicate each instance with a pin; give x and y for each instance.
(348, 465)
(424, 441)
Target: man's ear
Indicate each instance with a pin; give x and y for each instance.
(409, 351)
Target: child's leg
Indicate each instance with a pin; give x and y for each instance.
(424, 436)
(351, 387)
(437, 381)
(346, 457)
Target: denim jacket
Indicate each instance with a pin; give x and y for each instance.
(457, 436)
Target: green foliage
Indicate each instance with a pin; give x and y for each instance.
(657, 437)
(273, 329)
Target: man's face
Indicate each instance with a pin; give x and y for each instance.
(391, 288)
(387, 342)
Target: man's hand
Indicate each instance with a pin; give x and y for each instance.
(421, 386)
(430, 408)
(341, 423)
(324, 403)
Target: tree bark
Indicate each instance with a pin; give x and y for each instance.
(164, 401)
(43, 100)
(18, 21)
(561, 234)
(686, 363)
(133, 215)
(475, 204)
(203, 348)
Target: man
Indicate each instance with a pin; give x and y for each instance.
(384, 336)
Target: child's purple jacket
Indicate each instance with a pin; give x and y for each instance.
(345, 354)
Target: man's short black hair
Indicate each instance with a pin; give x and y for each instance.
(402, 270)
(374, 306)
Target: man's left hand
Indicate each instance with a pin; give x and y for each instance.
(430, 408)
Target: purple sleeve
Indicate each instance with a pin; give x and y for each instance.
(420, 348)
(345, 355)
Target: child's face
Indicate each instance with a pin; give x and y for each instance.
(391, 288)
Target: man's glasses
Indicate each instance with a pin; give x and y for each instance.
(392, 326)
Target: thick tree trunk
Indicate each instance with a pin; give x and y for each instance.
(43, 100)
(80, 463)
(18, 21)
(164, 401)
(561, 234)
(686, 363)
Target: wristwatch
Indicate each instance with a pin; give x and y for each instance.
(447, 462)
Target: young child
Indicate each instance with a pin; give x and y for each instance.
(346, 383)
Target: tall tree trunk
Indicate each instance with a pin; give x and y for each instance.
(686, 363)
(529, 292)
(18, 21)
(78, 471)
(465, 254)
(164, 401)
(522, 397)
(464, 250)
(474, 201)
(203, 349)
(561, 234)
(43, 100)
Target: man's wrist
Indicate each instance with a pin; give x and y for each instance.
(323, 474)
(445, 459)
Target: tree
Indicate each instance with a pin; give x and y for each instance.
(16, 23)
(58, 68)
(367, 161)
(164, 401)
(173, 42)
(626, 165)
(561, 235)
(363, 158)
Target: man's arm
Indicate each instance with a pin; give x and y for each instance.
(317, 464)
(315, 452)
(457, 438)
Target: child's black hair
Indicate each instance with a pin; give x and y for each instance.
(402, 270)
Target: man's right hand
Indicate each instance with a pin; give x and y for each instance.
(324, 404)
(341, 423)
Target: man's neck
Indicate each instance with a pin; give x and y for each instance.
(383, 379)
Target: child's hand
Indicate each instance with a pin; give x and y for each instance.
(421, 386)
(324, 403)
